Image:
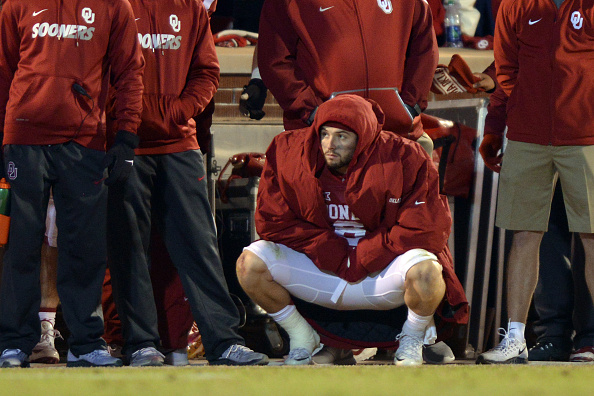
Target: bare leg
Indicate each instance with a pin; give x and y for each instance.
(48, 279)
(424, 288)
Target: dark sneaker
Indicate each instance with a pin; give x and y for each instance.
(548, 352)
(240, 355)
(97, 358)
(438, 353)
(585, 354)
(509, 351)
(147, 357)
(11, 358)
(410, 350)
(334, 356)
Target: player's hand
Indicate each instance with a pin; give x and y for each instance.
(120, 158)
(489, 149)
(416, 130)
(251, 101)
(486, 83)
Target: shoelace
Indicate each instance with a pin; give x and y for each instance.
(46, 336)
(409, 345)
(299, 354)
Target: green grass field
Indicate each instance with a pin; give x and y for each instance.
(355, 380)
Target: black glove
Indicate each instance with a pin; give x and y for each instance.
(120, 157)
(252, 99)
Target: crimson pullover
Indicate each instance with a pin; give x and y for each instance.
(392, 188)
(181, 74)
(545, 64)
(46, 46)
(308, 49)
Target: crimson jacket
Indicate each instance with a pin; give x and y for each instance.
(308, 49)
(545, 61)
(181, 74)
(46, 46)
(392, 187)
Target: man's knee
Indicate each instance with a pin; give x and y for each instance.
(427, 279)
(251, 269)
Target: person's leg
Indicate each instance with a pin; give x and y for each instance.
(81, 203)
(583, 312)
(586, 352)
(20, 295)
(187, 225)
(128, 237)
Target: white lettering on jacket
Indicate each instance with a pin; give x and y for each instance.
(160, 41)
(62, 31)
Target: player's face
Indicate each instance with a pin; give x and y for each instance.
(338, 147)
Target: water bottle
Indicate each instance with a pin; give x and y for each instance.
(4, 211)
(452, 25)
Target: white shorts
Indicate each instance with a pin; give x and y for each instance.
(301, 278)
(51, 230)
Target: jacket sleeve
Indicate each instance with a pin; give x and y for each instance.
(9, 56)
(495, 121)
(421, 58)
(277, 50)
(277, 222)
(505, 46)
(203, 77)
(127, 65)
(423, 221)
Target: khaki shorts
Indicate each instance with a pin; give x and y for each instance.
(529, 173)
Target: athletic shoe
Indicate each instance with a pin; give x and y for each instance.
(148, 356)
(45, 351)
(438, 353)
(298, 357)
(585, 354)
(410, 350)
(178, 357)
(334, 356)
(547, 352)
(509, 351)
(13, 358)
(240, 355)
(97, 358)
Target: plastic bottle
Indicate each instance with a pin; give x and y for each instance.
(4, 211)
(452, 25)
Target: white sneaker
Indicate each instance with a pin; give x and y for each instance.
(298, 357)
(509, 351)
(97, 358)
(410, 350)
(45, 351)
(13, 358)
(178, 357)
(148, 356)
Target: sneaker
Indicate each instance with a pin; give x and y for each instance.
(547, 352)
(148, 356)
(585, 354)
(97, 358)
(410, 350)
(509, 351)
(178, 357)
(45, 351)
(14, 358)
(334, 356)
(240, 355)
(298, 357)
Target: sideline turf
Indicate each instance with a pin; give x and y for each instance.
(281, 381)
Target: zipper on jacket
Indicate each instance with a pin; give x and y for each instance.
(365, 62)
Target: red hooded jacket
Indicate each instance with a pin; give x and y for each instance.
(46, 46)
(392, 188)
(308, 49)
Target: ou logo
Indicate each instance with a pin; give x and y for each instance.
(88, 15)
(385, 5)
(577, 20)
(175, 22)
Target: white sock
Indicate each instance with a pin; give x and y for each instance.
(516, 330)
(416, 324)
(301, 334)
(49, 316)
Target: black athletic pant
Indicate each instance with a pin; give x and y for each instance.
(169, 192)
(75, 173)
